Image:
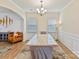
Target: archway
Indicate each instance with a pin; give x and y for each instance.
(10, 21)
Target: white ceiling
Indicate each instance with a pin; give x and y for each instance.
(48, 4)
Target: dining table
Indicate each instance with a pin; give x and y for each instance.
(42, 50)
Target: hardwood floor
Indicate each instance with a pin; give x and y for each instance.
(67, 51)
(18, 47)
(13, 51)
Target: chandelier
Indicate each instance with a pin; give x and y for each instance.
(41, 10)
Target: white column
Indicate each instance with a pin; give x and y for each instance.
(24, 32)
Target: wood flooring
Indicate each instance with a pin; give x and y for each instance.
(67, 51)
(18, 47)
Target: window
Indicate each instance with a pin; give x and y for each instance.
(52, 25)
(32, 25)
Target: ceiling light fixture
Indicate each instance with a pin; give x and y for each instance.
(41, 10)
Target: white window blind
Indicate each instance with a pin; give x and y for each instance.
(51, 25)
(31, 25)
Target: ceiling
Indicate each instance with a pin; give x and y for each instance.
(50, 5)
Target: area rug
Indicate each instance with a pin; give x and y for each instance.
(57, 53)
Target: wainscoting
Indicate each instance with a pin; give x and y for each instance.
(71, 41)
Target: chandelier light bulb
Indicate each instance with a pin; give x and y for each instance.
(45, 10)
(38, 10)
(42, 8)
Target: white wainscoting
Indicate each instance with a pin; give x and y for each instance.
(71, 41)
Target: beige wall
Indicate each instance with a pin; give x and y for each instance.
(70, 18)
(42, 27)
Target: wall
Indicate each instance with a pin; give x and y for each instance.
(71, 18)
(71, 41)
(12, 6)
(17, 21)
(70, 28)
